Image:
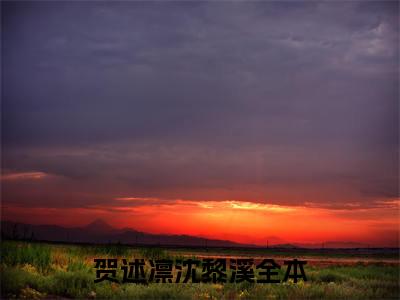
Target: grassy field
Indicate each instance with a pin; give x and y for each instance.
(40, 270)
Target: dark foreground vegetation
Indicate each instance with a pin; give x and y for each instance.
(40, 270)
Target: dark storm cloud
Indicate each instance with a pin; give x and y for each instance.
(148, 98)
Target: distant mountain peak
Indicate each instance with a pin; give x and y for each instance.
(100, 226)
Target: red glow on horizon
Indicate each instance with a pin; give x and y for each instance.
(239, 221)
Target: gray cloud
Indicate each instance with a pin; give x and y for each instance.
(226, 99)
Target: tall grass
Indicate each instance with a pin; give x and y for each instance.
(38, 255)
(112, 250)
(153, 253)
(31, 270)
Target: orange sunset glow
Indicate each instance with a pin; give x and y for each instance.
(256, 123)
(239, 221)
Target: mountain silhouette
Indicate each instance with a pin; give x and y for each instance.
(100, 231)
(99, 226)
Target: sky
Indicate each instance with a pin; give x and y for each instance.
(247, 120)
